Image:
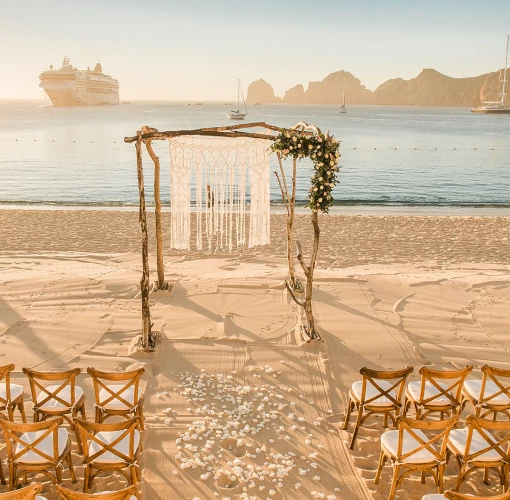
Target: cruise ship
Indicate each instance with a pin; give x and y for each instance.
(69, 86)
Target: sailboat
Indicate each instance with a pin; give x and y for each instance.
(342, 107)
(497, 107)
(237, 115)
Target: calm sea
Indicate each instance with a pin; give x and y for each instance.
(412, 156)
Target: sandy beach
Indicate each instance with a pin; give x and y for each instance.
(231, 389)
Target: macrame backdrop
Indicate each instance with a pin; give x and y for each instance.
(237, 171)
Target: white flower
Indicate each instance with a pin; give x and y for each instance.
(320, 178)
(315, 189)
(307, 441)
(320, 139)
(332, 163)
(322, 187)
(321, 164)
(290, 147)
(310, 146)
(294, 138)
(329, 172)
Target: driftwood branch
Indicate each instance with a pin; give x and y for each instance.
(228, 131)
(144, 281)
(291, 291)
(157, 213)
(283, 193)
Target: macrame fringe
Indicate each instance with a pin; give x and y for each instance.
(221, 175)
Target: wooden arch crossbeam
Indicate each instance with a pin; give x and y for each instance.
(146, 135)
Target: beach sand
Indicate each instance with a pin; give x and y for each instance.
(390, 292)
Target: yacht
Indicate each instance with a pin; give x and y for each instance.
(237, 115)
(497, 107)
(342, 107)
(69, 86)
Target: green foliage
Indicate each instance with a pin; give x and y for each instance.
(323, 150)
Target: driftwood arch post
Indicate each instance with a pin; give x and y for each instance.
(146, 136)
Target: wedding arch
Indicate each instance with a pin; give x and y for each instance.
(216, 169)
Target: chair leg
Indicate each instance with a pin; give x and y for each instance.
(486, 476)
(460, 477)
(58, 474)
(422, 477)
(86, 478)
(440, 477)
(134, 478)
(385, 422)
(2, 477)
(98, 416)
(21, 408)
(82, 411)
(71, 468)
(10, 412)
(347, 415)
(506, 473)
(382, 459)
(394, 482)
(12, 476)
(356, 428)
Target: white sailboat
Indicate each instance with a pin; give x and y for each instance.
(342, 107)
(497, 107)
(237, 115)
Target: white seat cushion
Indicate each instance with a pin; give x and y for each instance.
(64, 394)
(389, 441)
(117, 404)
(434, 496)
(46, 446)
(414, 389)
(39, 497)
(372, 391)
(473, 387)
(109, 437)
(16, 391)
(457, 440)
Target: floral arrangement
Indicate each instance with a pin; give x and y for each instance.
(323, 150)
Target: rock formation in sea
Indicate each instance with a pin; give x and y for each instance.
(261, 91)
(429, 88)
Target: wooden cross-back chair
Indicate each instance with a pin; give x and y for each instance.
(118, 394)
(478, 447)
(37, 448)
(491, 394)
(409, 448)
(378, 392)
(28, 493)
(11, 395)
(129, 493)
(438, 391)
(110, 447)
(55, 394)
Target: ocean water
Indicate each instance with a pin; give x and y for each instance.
(391, 156)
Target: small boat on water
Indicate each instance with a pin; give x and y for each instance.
(237, 115)
(342, 107)
(497, 107)
(257, 104)
(198, 104)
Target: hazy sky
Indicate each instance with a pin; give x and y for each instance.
(196, 49)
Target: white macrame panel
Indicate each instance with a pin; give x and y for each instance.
(237, 172)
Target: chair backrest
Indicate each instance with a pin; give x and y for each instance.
(124, 494)
(499, 442)
(28, 493)
(5, 378)
(448, 384)
(125, 429)
(17, 446)
(501, 378)
(393, 393)
(435, 444)
(39, 381)
(454, 495)
(104, 380)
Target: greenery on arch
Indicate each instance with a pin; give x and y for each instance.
(323, 150)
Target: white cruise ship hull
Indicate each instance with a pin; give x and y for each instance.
(79, 94)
